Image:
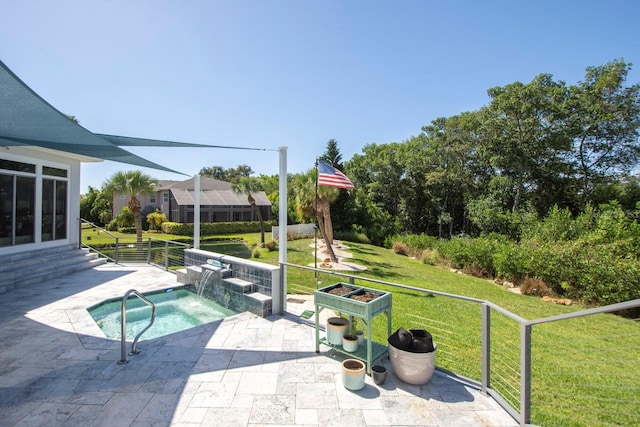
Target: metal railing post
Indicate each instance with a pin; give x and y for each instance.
(115, 255)
(166, 255)
(486, 348)
(525, 373)
(149, 251)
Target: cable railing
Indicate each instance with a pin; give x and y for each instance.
(165, 254)
(536, 371)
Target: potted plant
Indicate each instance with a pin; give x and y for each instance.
(412, 355)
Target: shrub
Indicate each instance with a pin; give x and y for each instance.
(352, 236)
(156, 219)
(186, 229)
(535, 287)
(127, 230)
(414, 241)
(125, 218)
(512, 261)
(256, 253)
(401, 248)
(271, 246)
(112, 226)
(475, 270)
(456, 251)
(431, 257)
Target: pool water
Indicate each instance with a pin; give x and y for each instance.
(176, 310)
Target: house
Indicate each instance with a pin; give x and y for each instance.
(218, 202)
(41, 151)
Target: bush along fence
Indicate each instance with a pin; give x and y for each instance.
(186, 229)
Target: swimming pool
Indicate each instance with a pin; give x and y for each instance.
(176, 310)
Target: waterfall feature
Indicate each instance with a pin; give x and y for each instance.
(208, 276)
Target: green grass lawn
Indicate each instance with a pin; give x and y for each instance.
(585, 372)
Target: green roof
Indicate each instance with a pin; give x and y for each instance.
(28, 120)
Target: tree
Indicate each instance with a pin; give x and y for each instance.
(332, 154)
(310, 200)
(96, 207)
(342, 206)
(604, 118)
(249, 186)
(232, 175)
(133, 184)
(524, 133)
(322, 206)
(455, 175)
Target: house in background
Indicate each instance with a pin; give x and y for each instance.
(218, 202)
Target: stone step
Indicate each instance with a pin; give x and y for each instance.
(181, 276)
(259, 304)
(20, 270)
(244, 286)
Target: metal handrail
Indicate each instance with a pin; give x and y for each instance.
(123, 325)
(105, 231)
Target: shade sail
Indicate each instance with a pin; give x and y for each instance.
(28, 120)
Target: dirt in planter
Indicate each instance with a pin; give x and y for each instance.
(339, 290)
(364, 296)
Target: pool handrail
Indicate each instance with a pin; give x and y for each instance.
(123, 325)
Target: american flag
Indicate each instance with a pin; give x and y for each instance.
(332, 177)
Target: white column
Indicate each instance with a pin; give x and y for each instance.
(280, 298)
(196, 212)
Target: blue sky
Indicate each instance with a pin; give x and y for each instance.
(267, 74)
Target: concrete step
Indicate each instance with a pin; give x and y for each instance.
(24, 269)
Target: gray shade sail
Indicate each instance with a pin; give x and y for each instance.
(28, 120)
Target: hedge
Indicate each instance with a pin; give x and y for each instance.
(186, 229)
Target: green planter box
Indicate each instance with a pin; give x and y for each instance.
(345, 302)
(348, 304)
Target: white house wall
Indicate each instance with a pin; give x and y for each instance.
(56, 159)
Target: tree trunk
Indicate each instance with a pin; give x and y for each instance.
(252, 202)
(323, 230)
(135, 208)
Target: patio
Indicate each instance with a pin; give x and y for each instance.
(56, 368)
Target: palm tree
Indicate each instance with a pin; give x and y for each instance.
(310, 200)
(249, 186)
(132, 183)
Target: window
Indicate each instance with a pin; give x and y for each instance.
(17, 208)
(152, 198)
(17, 166)
(54, 210)
(121, 196)
(165, 197)
(47, 170)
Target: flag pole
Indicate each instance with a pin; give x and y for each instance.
(315, 229)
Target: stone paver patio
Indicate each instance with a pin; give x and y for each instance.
(57, 368)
